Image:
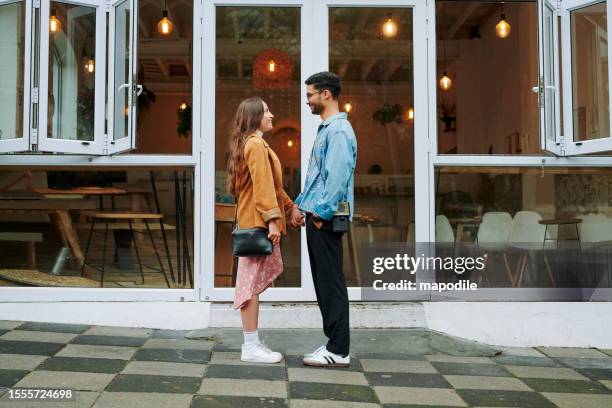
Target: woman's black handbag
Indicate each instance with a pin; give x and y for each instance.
(250, 241)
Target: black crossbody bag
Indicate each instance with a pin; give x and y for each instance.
(249, 241)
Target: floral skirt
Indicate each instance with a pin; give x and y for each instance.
(255, 274)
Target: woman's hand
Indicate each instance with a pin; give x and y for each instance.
(273, 232)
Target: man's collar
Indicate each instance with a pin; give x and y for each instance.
(339, 115)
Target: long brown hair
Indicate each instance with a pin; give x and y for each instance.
(247, 120)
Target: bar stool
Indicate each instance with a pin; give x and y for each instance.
(116, 220)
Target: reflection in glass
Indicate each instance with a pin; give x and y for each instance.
(377, 78)
(590, 90)
(12, 21)
(258, 54)
(70, 48)
(122, 70)
(490, 108)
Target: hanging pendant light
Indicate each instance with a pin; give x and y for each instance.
(90, 66)
(502, 28)
(165, 26)
(445, 82)
(348, 107)
(390, 27)
(290, 143)
(54, 23)
(410, 114)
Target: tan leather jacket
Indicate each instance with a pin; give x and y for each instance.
(263, 198)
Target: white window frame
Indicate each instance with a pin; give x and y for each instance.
(46, 144)
(23, 143)
(314, 58)
(548, 88)
(564, 144)
(125, 162)
(128, 142)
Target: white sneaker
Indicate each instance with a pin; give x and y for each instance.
(259, 353)
(314, 352)
(325, 358)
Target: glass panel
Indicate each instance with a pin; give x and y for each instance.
(512, 210)
(72, 67)
(590, 92)
(43, 247)
(165, 70)
(258, 54)
(490, 107)
(371, 50)
(122, 70)
(12, 45)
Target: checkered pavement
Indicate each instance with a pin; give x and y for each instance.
(125, 367)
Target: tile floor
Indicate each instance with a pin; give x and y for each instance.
(122, 367)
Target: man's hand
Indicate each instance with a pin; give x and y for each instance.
(317, 221)
(296, 219)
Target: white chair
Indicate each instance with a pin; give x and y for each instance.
(493, 234)
(595, 228)
(526, 234)
(495, 229)
(444, 231)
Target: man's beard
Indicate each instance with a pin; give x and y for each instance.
(316, 109)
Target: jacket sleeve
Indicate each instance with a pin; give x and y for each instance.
(336, 171)
(287, 202)
(256, 156)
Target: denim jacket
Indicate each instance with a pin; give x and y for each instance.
(330, 171)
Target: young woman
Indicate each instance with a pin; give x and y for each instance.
(255, 179)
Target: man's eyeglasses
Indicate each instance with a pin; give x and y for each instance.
(310, 95)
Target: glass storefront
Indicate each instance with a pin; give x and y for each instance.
(452, 132)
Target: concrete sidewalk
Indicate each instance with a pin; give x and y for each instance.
(128, 367)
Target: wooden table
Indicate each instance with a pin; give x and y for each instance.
(561, 221)
(59, 210)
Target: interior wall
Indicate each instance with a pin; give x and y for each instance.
(493, 82)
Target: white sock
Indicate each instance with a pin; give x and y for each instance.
(251, 338)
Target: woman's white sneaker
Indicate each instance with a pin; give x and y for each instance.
(259, 353)
(325, 358)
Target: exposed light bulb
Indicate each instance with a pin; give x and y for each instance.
(290, 143)
(271, 65)
(183, 105)
(502, 28)
(54, 23)
(90, 66)
(410, 114)
(390, 27)
(348, 107)
(445, 82)
(165, 26)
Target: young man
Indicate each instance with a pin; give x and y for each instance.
(329, 182)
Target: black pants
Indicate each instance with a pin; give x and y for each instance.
(325, 253)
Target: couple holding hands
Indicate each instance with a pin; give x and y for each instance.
(255, 179)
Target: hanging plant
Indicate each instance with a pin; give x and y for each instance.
(184, 121)
(388, 113)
